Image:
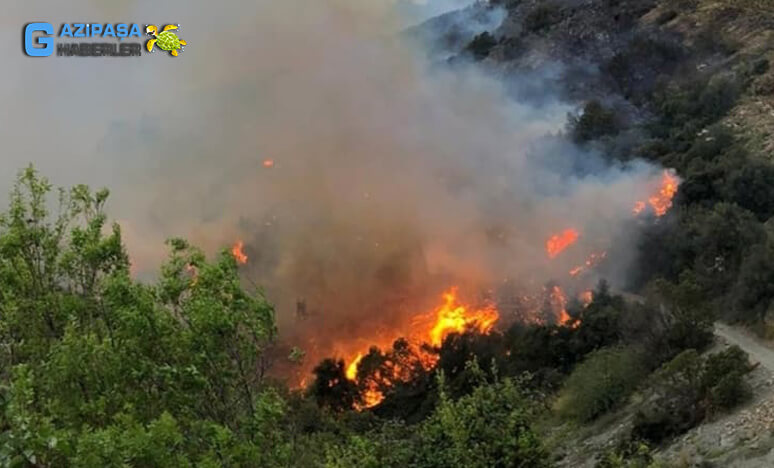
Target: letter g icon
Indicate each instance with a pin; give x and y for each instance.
(47, 42)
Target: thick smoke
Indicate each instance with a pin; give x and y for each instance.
(391, 179)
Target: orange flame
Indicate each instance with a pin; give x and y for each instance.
(268, 163)
(593, 260)
(661, 201)
(558, 242)
(238, 252)
(450, 317)
(559, 305)
(453, 317)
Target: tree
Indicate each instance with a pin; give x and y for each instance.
(100, 370)
(594, 122)
(470, 432)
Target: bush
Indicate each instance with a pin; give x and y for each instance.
(543, 16)
(471, 432)
(754, 292)
(601, 382)
(688, 389)
(596, 121)
(752, 188)
(723, 379)
(481, 45)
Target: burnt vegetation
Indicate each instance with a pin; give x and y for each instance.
(99, 369)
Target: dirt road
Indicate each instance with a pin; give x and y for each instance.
(757, 351)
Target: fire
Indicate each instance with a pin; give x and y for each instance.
(454, 317)
(450, 317)
(593, 260)
(268, 163)
(352, 367)
(238, 252)
(371, 397)
(558, 242)
(661, 201)
(559, 305)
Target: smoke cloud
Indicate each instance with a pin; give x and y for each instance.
(391, 178)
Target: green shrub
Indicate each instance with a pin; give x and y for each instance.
(723, 380)
(542, 16)
(688, 389)
(601, 382)
(481, 45)
(596, 121)
(471, 432)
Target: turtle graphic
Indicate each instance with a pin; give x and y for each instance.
(165, 40)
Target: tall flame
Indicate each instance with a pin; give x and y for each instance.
(558, 242)
(238, 252)
(352, 367)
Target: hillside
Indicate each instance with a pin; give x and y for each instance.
(528, 233)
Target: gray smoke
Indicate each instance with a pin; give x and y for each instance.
(391, 179)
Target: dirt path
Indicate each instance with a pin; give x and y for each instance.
(757, 351)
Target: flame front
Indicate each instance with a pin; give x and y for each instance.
(558, 242)
(591, 262)
(450, 317)
(238, 252)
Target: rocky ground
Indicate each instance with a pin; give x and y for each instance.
(743, 438)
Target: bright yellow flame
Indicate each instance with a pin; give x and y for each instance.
(352, 367)
(432, 328)
(453, 317)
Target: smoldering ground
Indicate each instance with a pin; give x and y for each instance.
(390, 179)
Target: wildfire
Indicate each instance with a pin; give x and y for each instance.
(450, 317)
(453, 317)
(559, 305)
(238, 252)
(268, 163)
(352, 367)
(558, 242)
(593, 260)
(661, 201)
